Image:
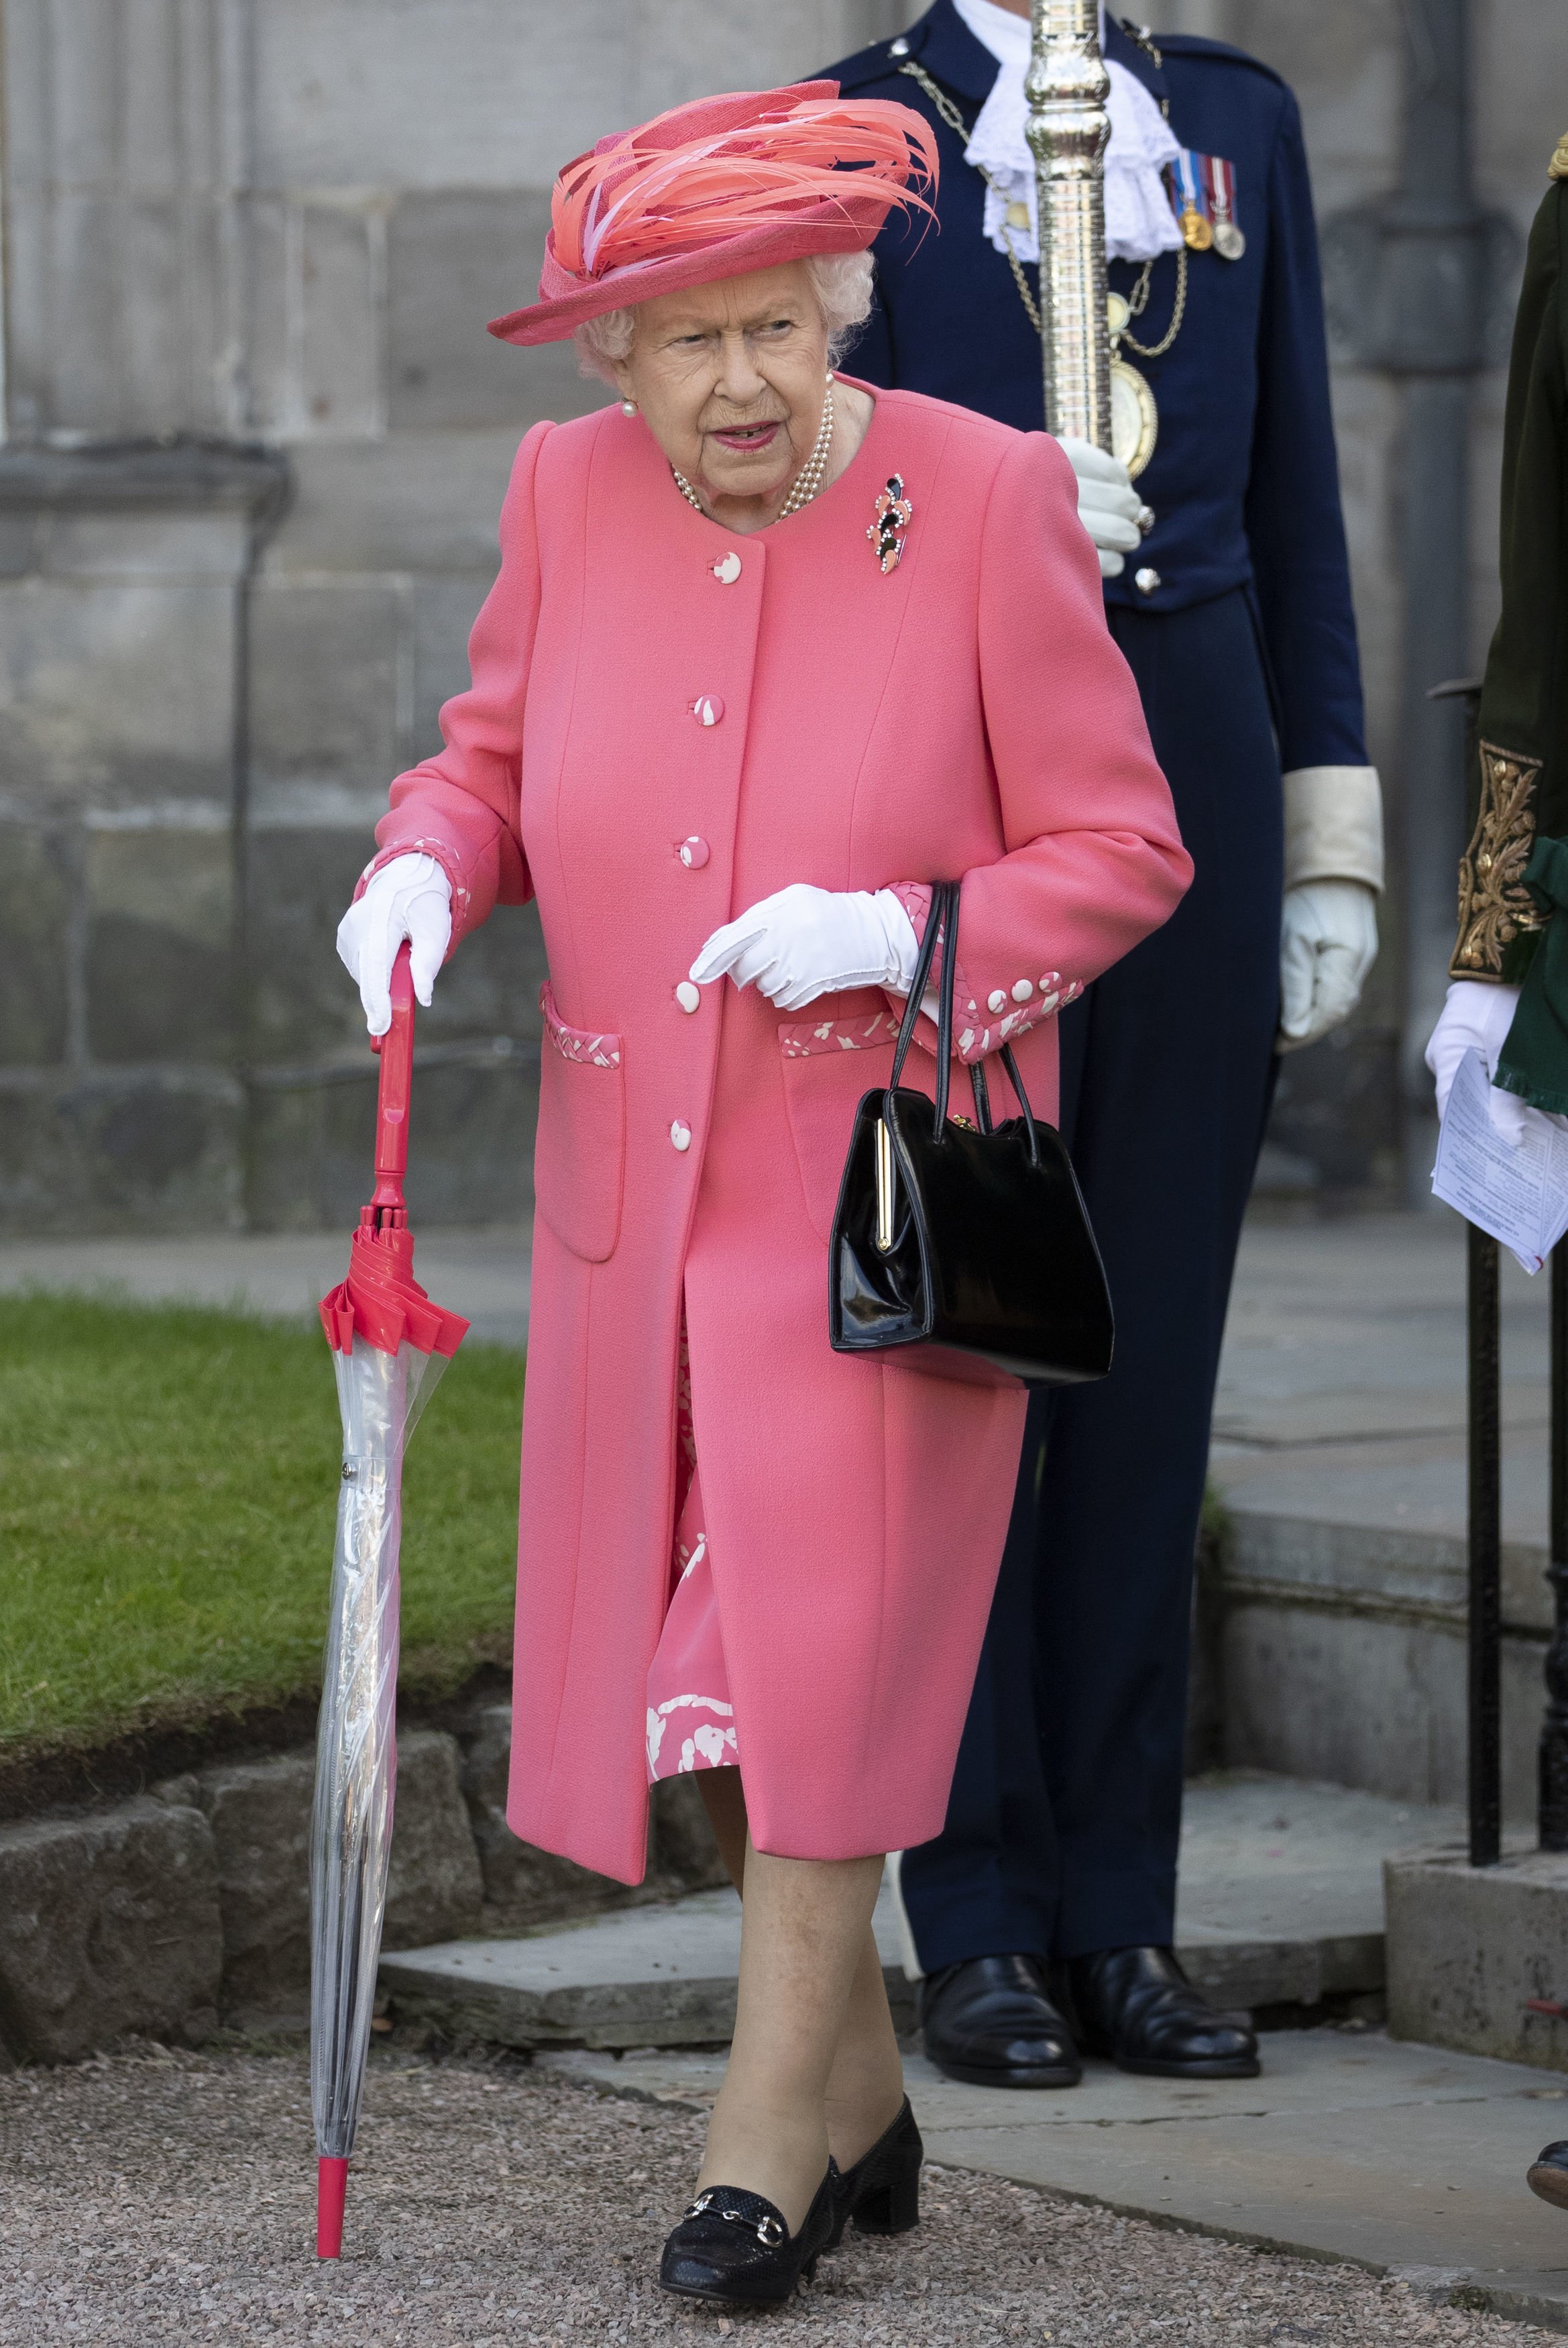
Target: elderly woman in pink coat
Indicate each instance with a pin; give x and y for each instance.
(768, 652)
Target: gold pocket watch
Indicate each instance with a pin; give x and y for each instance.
(1134, 418)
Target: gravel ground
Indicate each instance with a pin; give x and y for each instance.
(151, 2198)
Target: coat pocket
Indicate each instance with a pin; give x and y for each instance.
(580, 1155)
(820, 1096)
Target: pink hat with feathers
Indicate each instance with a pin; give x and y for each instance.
(719, 187)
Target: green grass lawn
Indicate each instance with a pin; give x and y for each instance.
(168, 1488)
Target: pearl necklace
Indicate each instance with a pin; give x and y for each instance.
(808, 481)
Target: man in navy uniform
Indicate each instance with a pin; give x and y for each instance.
(1043, 1916)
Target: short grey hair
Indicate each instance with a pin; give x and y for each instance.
(841, 282)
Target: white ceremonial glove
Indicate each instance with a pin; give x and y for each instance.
(802, 942)
(1109, 507)
(1476, 1017)
(409, 898)
(1327, 943)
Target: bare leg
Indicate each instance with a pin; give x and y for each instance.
(866, 2083)
(804, 1924)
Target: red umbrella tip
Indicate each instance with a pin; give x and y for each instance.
(331, 2184)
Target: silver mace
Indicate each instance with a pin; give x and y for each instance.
(1067, 87)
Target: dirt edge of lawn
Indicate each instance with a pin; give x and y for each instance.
(65, 1777)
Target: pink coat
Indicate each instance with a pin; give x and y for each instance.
(667, 721)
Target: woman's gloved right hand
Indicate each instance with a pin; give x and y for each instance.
(1109, 507)
(409, 898)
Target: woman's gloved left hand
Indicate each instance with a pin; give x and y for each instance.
(802, 942)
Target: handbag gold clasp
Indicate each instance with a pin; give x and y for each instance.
(884, 1188)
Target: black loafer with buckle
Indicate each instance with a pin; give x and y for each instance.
(734, 2246)
(881, 2193)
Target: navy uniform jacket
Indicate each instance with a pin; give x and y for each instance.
(1243, 479)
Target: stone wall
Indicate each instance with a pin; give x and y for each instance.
(250, 248)
(235, 227)
(187, 1909)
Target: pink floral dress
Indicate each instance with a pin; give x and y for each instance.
(690, 1720)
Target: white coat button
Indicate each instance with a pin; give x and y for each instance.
(688, 996)
(898, 49)
(1023, 990)
(1147, 579)
(692, 853)
(996, 1001)
(681, 1135)
(727, 570)
(707, 709)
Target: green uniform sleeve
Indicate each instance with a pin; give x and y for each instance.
(1520, 793)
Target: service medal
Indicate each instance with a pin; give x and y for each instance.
(1229, 242)
(1192, 210)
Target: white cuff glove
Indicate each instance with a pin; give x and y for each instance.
(409, 898)
(1327, 943)
(1476, 1018)
(802, 942)
(1109, 507)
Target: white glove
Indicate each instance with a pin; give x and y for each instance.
(1327, 943)
(409, 898)
(802, 942)
(1109, 507)
(1476, 1018)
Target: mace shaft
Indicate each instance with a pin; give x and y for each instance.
(1067, 87)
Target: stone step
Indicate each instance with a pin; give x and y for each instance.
(1281, 1906)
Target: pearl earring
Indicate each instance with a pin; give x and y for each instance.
(629, 407)
(830, 374)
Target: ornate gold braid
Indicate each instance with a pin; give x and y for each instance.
(1140, 293)
(1494, 905)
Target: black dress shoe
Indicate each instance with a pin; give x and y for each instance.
(734, 2246)
(882, 2192)
(1137, 2006)
(989, 2023)
(1548, 2175)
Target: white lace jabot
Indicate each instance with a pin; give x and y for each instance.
(1139, 222)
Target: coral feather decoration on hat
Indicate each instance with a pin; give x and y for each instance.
(722, 186)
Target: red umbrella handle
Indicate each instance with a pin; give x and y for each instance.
(396, 1050)
(332, 2188)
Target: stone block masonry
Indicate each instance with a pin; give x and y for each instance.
(253, 447)
(172, 1915)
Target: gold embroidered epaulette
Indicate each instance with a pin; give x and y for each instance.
(1494, 905)
(1558, 167)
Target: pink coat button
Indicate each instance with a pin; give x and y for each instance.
(707, 709)
(692, 853)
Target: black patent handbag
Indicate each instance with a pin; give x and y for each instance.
(964, 1250)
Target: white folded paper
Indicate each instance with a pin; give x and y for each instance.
(1519, 1195)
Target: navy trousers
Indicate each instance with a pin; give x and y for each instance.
(1062, 1824)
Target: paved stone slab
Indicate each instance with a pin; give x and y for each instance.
(481, 1273)
(1397, 2157)
(1281, 1905)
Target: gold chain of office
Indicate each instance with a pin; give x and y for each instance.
(1137, 300)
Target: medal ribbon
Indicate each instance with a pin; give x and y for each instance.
(1220, 179)
(1190, 193)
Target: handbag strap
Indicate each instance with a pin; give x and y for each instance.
(943, 921)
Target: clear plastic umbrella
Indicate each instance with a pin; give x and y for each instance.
(390, 1345)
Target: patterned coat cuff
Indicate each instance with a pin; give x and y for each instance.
(446, 857)
(983, 1020)
(1496, 909)
(1333, 825)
